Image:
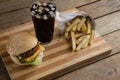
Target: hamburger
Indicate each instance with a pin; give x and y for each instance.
(24, 49)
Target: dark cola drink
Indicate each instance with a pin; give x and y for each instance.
(43, 16)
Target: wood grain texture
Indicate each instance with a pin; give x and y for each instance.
(106, 69)
(14, 18)
(11, 5)
(66, 5)
(108, 23)
(104, 25)
(101, 8)
(59, 51)
(56, 58)
(114, 40)
(4, 34)
(22, 15)
(107, 72)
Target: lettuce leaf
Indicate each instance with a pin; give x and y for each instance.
(37, 61)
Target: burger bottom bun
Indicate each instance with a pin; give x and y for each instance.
(16, 61)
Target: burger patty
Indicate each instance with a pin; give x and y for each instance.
(29, 52)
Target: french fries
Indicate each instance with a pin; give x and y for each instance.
(91, 37)
(80, 32)
(73, 40)
(75, 22)
(81, 23)
(66, 35)
(84, 28)
(86, 38)
(77, 35)
(85, 45)
(74, 28)
(80, 39)
(88, 28)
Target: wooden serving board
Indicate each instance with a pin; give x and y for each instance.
(58, 59)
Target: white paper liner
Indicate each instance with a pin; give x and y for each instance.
(64, 17)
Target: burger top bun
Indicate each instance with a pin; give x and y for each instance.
(20, 43)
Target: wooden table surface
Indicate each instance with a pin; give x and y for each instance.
(107, 16)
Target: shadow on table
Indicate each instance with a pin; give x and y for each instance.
(3, 72)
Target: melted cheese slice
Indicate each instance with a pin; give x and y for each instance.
(40, 48)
